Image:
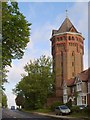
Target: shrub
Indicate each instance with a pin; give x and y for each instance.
(75, 109)
(58, 103)
(87, 111)
(69, 103)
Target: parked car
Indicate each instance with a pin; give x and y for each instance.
(12, 107)
(63, 109)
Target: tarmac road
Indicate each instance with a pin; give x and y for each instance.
(8, 114)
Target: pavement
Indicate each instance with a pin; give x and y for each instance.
(62, 117)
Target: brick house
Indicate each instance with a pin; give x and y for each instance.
(77, 89)
(88, 88)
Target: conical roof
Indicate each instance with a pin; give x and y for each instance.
(66, 26)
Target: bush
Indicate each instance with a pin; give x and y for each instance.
(87, 111)
(69, 104)
(58, 103)
(75, 109)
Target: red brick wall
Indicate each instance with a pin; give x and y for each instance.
(63, 59)
(51, 100)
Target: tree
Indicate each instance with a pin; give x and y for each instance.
(15, 33)
(37, 85)
(20, 100)
(15, 36)
(4, 100)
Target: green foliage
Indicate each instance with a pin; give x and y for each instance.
(38, 84)
(20, 100)
(15, 33)
(4, 100)
(3, 78)
(69, 103)
(75, 109)
(86, 110)
(58, 103)
(14, 36)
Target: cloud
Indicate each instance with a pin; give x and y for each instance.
(11, 99)
(33, 51)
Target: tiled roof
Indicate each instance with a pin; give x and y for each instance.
(65, 27)
(84, 75)
(70, 82)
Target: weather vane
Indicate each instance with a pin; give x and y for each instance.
(66, 13)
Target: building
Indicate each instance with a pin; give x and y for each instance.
(77, 89)
(88, 95)
(67, 52)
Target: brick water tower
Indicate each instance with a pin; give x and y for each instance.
(67, 53)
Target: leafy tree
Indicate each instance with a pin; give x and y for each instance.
(38, 84)
(3, 77)
(15, 33)
(14, 36)
(4, 100)
(20, 100)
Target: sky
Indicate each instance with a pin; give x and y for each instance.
(46, 16)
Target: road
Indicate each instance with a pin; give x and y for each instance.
(18, 115)
(8, 114)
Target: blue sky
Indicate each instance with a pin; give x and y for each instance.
(44, 17)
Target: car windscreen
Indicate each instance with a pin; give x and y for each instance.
(63, 107)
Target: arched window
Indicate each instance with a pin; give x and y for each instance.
(61, 53)
(72, 38)
(77, 38)
(73, 53)
(69, 38)
(64, 37)
(57, 39)
(61, 38)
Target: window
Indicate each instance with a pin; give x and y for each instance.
(65, 91)
(73, 53)
(77, 38)
(72, 38)
(65, 99)
(57, 39)
(64, 37)
(72, 73)
(73, 89)
(72, 63)
(61, 38)
(83, 99)
(61, 53)
(78, 86)
(69, 38)
(79, 100)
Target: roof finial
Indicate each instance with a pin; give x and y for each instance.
(66, 13)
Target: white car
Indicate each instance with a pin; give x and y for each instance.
(63, 109)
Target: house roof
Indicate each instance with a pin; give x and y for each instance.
(65, 27)
(70, 82)
(84, 75)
